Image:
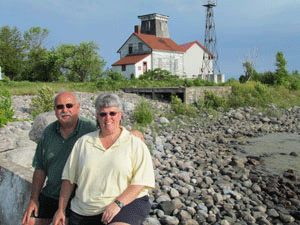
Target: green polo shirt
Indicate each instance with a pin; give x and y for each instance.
(53, 151)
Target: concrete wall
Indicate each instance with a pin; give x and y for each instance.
(193, 94)
(15, 188)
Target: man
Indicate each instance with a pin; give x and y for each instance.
(51, 154)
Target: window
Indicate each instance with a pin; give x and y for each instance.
(148, 25)
(175, 66)
(159, 62)
(144, 67)
(130, 49)
(123, 67)
(140, 46)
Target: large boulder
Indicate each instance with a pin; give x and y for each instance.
(40, 122)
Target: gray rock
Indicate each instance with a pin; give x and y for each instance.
(40, 122)
(169, 220)
(163, 120)
(127, 106)
(151, 221)
(167, 206)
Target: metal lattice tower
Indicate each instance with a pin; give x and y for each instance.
(210, 40)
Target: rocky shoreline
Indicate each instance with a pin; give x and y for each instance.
(201, 177)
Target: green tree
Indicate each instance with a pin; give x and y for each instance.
(249, 72)
(81, 62)
(281, 75)
(35, 63)
(35, 37)
(12, 52)
(53, 62)
(249, 65)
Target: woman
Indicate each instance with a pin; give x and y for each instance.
(112, 170)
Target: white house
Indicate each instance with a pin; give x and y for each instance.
(151, 47)
(193, 65)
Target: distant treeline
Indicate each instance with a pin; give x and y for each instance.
(24, 57)
(281, 77)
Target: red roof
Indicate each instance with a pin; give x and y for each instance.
(129, 60)
(158, 43)
(187, 46)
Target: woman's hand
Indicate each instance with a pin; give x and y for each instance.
(59, 218)
(110, 212)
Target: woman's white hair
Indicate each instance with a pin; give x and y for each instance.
(108, 100)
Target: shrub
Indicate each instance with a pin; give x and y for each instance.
(143, 112)
(250, 94)
(116, 75)
(213, 101)
(294, 81)
(198, 82)
(158, 74)
(188, 82)
(43, 102)
(180, 108)
(6, 112)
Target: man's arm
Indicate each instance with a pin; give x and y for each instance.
(39, 177)
(138, 134)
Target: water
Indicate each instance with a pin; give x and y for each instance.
(277, 149)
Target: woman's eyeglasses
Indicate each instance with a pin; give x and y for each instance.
(112, 113)
(69, 106)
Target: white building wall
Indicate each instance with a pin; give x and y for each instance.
(139, 67)
(129, 70)
(136, 69)
(171, 61)
(138, 47)
(193, 58)
(193, 63)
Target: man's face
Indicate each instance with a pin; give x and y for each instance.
(66, 109)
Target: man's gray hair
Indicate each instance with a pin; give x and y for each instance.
(62, 91)
(108, 100)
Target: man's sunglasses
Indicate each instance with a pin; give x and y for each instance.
(69, 106)
(112, 113)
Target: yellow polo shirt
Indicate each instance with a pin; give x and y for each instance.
(102, 175)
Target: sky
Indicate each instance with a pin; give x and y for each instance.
(245, 29)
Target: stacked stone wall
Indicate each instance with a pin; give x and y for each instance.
(193, 94)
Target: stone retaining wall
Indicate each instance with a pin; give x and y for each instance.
(15, 188)
(193, 94)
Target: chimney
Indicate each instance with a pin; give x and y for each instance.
(137, 29)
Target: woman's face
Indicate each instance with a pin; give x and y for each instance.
(109, 119)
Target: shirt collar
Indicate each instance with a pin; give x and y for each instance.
(75, 131)
(95, 140)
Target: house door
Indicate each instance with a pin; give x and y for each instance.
(144, 67)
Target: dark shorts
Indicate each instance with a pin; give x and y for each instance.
(133, 213)
(48, 207)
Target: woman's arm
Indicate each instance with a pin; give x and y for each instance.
(65, 193)
(130, 194)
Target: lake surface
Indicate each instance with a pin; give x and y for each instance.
(277, 148)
